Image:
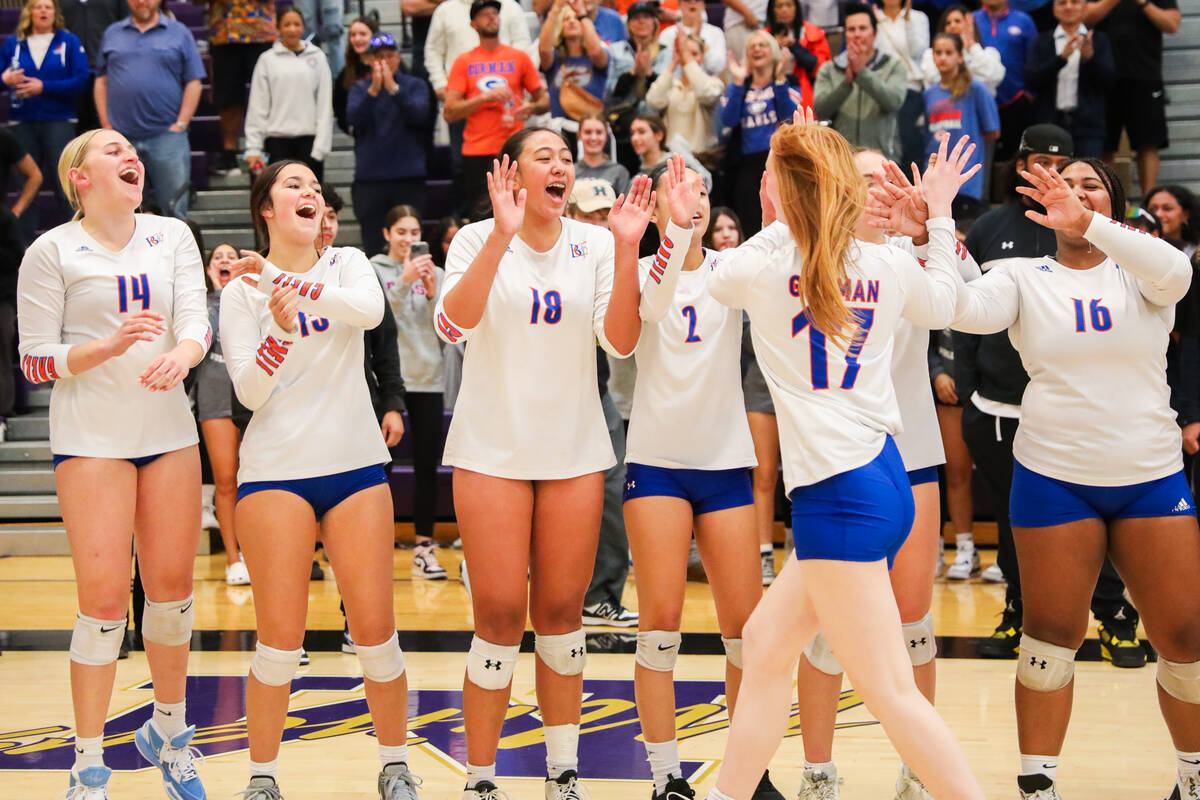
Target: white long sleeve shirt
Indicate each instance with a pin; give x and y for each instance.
(688, 411)
(72, 290)
(529, 407)
(306, 387)
(904, 39)
(1094, 342)
(835, 403)
(291, 94)
(451, 35)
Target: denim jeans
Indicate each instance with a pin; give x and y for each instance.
(44, 140)
(168, 160)
(325, 19)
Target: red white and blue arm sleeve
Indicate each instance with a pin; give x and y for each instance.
(41, 299)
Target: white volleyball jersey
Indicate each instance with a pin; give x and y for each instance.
(688, 410)
(529, 406)
(835, 403)
(307, 387)
(72, 290)
(1094, 342)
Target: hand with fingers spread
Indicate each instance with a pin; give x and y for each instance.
(631, 213)
(285, 306)
(249, 267)
(683, 197)
(508, 202)
(894, 204)
(165, 372)
(1064, 211)
(804, 116)
(737, 69)
(941, 182)
(143, 326)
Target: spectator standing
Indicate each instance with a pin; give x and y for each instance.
(609, 25)
(487, 89)
(903, 33)
(648, 136)
(742, 18)
(12, 249)
(686, 94)
(630, 76)
(357, 66)
(693, 22)
(959, 105)
(595, 157)
(1012, 33)
(46, 68)
(571, 52)
(242, 30)
(1135, 28)
(392, 114)
(13, 156)
(1070, 73)
(324, 24)
(1174, 206)
(291, 101)
(984, 62)
(148, 84)
(419, 14)
(804, 40)
(89, 19)
(860, 90)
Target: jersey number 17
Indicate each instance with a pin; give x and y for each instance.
(818, 360)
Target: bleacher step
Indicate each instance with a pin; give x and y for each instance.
(29, 427)
(240, 217)
(26, 479)
(29, 506)
(22, 452)
(338, 177)
(26, 539)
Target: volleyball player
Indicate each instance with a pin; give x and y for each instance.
(823, 311)
(111, 307)
(292, 336)
(528, 442)
(687, 466)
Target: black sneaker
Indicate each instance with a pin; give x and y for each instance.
(1036, 787)
(1005, 641)
(1119, 641)
(226, 164)
(317, 574)
(677, 789)
(614, 615)
(766, 790)
(304, 659)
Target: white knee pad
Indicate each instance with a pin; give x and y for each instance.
(658, 650)
(733, 651)
(1044, 667)
(96, 642)
(491, 666)
(918, 637)
(168, 623)
(1181, 681)
(381, 662)
(821, 656)
(565, 653)
(275, 667)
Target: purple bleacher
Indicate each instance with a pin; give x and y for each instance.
(9, 17)
(189, 14)
(439, 199)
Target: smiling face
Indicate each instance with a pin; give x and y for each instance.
(42, 14)
(642, 27)
(593, 136)
(111, 172)
(296, 205)
(725, 233)
(360, 37)
(220, 263)
(1088, 187)
(758, 50)
(546, 171)
(1171, 215)
(643, 138)
(291, 30)
(401, 236)
(571, 27)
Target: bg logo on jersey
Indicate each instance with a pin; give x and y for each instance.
(488, 82)
(609, 747)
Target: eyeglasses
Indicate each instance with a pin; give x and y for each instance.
(383, 40)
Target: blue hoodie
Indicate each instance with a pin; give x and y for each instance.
(64, 74)
(391, 132)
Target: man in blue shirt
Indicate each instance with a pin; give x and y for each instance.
(148, 75)
(1013, 33)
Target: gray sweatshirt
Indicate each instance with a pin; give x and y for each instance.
(420, 348)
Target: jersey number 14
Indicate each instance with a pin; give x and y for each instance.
(865, 317)
(133, 288)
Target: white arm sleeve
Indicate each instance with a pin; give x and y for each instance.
(252, 358)
(735, 270)
(357, 301)
(1163, 272)
(41, 295)
(988, 305)
(463, 248)
(258, 107)
(189, 309)
(967, 266)
(931, 293)
(658, 286)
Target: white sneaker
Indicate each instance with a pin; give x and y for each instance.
(1037, 787)
(819, 785)
(993, 574)
(236, 574)
(566, 787)
(90, 783)
(966, 561)
(909, 787)
(425, 562)
(484, 790)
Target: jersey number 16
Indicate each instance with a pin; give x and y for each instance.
(1101, 318)
(135, 288)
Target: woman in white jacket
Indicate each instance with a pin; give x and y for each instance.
(687, 95)
(290, 112)
(984, 62)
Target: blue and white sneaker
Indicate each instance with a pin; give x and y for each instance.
(175, 758)
(90, 783)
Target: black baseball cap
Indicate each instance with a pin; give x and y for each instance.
(642, 8)
(1046, 138)
(480, 5)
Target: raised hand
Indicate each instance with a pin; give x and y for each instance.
(737, 69)
(804, 116)
(285, 306)
(631, 213)
(249, 267)
(944, 177)
(143, 326)
(896, 205)
(683, 197)
(1064, 212)
(165, 372)
(508, 203)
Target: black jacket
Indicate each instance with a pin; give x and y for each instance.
(382, 364)
(1096, 76)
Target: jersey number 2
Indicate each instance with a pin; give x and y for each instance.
(135, 288)
(553, 307)
(1101, 318)
(690, 313)
(865, 317)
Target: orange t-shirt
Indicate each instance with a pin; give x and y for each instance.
(478, 70)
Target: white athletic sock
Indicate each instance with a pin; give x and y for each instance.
(825, 768)
(562, 748)
(169, 717)
(965, 542)
(393, 754)
(89, 752)
(664, 762)
(1039, 765)
(763, 549)
(476, 774)
(1189, 767)
(717, 794)
(268, 769)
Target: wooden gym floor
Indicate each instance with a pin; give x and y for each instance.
(1117, 745)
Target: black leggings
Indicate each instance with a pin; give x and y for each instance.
(299, 148)
(425, 424)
